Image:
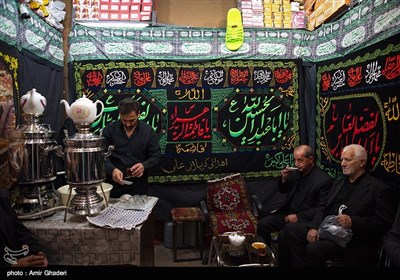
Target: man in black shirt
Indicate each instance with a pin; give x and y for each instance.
(136, 150)
(370, 212)
(306, 188)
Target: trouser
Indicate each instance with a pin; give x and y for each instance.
(296, 251)
(269, 224)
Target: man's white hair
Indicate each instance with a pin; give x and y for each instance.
(359, 151)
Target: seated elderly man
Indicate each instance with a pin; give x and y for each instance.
(370, 212)
(305, 187)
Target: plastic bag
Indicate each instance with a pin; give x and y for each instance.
(331, 230)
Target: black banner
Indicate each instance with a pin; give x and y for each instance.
(212, 118)
(358, 103)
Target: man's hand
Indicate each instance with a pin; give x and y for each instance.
(312, 236)
(286, 173)
(37, 260)
(291, 218)
(344, 220)
(137, 170)
(117, 176)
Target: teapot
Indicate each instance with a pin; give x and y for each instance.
(33, 102)
(83, 110)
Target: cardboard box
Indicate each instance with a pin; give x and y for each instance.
(114, 7)
(144, 16)
(318, 3)
(103, 15)
(193, 13)
(114, 16)
(319, 19)
(135, 8)
(134, 16)
(334, 8)
(124, 8)
(146, 8)
(309, 4)
(124, 16)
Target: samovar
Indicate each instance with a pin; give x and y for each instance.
(84, 157)
(31, 155)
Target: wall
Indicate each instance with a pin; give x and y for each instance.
(197, 13)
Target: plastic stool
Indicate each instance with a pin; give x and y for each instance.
(184, 215)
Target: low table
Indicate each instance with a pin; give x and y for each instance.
(222, 253)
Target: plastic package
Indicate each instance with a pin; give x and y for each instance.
(331, 230)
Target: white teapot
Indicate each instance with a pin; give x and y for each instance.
(83, 110)
(33, 102)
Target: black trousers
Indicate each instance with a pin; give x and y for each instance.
(269, 224)
(296, 251)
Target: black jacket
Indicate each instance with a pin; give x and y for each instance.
(371, 208)
(317, 184)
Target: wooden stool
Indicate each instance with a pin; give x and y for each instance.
(184, 215)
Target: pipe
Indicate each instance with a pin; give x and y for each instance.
(41, 212)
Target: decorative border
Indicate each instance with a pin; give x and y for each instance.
(34, 34)
(370, 22)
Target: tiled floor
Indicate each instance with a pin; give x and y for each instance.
(164, 257)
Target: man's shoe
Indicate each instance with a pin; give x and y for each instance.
(234, 30)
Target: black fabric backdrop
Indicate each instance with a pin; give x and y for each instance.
(47, 78)
(211, 117)
(307, 100)
(33, 72)
(178, 194)
(189, 195)
(359, 103)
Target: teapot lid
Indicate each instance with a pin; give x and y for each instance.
(83, 98)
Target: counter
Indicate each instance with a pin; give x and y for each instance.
(77, 242)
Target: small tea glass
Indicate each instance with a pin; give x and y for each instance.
(261, 249)
(129, 173)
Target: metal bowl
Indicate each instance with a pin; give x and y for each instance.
(64, 192)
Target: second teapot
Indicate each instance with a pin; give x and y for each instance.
(83, 110)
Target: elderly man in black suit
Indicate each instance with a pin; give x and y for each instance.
(370, 212)
(306, 186)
